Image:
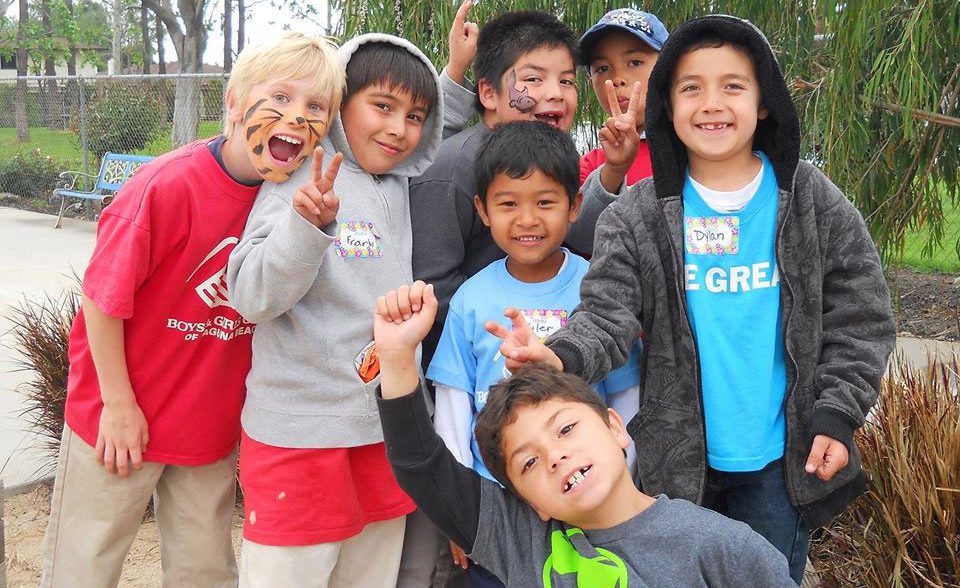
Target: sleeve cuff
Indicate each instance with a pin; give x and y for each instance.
(305, 243)
(833, 424)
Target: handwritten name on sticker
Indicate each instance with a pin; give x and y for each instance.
(543, 322)
(712, 235)
(357, 240)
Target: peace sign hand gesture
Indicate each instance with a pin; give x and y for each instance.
(316, 201)
(619, 136)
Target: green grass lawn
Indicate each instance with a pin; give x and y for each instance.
(946, 257)
(64, 146)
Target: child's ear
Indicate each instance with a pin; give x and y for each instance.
(234, 109)
(487, 93)
(575, 205)
(762, 113)
(481, 207)
(618, 429)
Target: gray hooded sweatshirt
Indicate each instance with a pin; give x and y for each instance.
(312, 293)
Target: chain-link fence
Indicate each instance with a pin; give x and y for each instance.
(52, 124)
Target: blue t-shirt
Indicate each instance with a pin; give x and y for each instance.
(468, 357)
(733, 303)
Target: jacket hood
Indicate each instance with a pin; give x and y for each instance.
(432, 135)
(778, 135)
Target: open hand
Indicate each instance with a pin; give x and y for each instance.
(520, 345)
(121, 438)
(316, 201)
(463, 43)
(827, 457)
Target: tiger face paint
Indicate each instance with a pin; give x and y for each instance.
(281, 122)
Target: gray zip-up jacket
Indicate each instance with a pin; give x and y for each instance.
(837, 320)
(312, 297)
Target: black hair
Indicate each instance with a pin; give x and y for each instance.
(380, 62)
(518, 148)
(505, 38)
(531, 385)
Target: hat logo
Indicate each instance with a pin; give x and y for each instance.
(629, 18)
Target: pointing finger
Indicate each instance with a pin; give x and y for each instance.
(330, 176)
(461, 16)
(316, 168)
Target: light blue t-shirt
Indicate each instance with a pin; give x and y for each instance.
(468, 357)
(733, 303)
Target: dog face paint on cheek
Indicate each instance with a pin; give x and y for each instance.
(519, 99)
(259, 124)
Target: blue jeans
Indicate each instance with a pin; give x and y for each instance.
(478, 577)
(760, 500)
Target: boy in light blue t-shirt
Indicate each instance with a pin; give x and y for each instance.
(527, 186)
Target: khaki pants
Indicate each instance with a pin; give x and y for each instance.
(95, 515)
(368, 560)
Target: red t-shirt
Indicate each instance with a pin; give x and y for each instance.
(159, 264)
(310, 496)
(640, 169)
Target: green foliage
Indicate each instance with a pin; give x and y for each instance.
(906, 530)
(29, 174)
(124, 121)
(876, 83)
(60, 145)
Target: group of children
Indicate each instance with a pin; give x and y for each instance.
(265, 296)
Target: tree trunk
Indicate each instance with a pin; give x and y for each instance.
(73, 87)
(51, 101)
(117, 49)
(188, 103)
(161, 63)
(241, 25)
(145, 37)
(20, 110)
(227, 35)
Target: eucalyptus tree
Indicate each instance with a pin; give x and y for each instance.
(876, 83)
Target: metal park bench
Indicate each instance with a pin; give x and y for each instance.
(114, 171)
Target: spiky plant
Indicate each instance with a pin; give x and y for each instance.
(41, 330)
(905, 531)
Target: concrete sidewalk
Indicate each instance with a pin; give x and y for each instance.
(35, 260)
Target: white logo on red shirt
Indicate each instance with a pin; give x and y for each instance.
(213, 290)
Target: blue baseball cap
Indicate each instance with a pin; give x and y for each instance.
(643, 25)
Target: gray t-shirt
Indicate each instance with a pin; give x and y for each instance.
(672, 543)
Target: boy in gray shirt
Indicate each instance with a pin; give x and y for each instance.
(570, 514)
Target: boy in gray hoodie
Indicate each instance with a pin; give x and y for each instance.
(322, 506)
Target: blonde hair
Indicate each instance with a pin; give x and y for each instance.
(291, 56)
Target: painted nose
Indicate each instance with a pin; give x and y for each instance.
(300, 120)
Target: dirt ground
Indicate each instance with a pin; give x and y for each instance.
(927, 306)
(25, 520)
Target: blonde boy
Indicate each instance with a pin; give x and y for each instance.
(158, 354)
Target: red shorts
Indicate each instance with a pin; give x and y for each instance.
(311, 496)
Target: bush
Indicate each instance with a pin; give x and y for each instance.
(905, 531)
(30, 174)
(123, 121)
(41, 332)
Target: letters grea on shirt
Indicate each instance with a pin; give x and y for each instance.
(739, 278)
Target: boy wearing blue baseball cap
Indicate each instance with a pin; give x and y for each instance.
(619, 52)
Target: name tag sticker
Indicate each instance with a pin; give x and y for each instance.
(544, 322)
(712, 235)
(358, 239)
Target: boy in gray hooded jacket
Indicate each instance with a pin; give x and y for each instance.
(760, 291)
(322, 506)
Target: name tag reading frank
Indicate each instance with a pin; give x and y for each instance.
(358, 239)
(712, 235)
